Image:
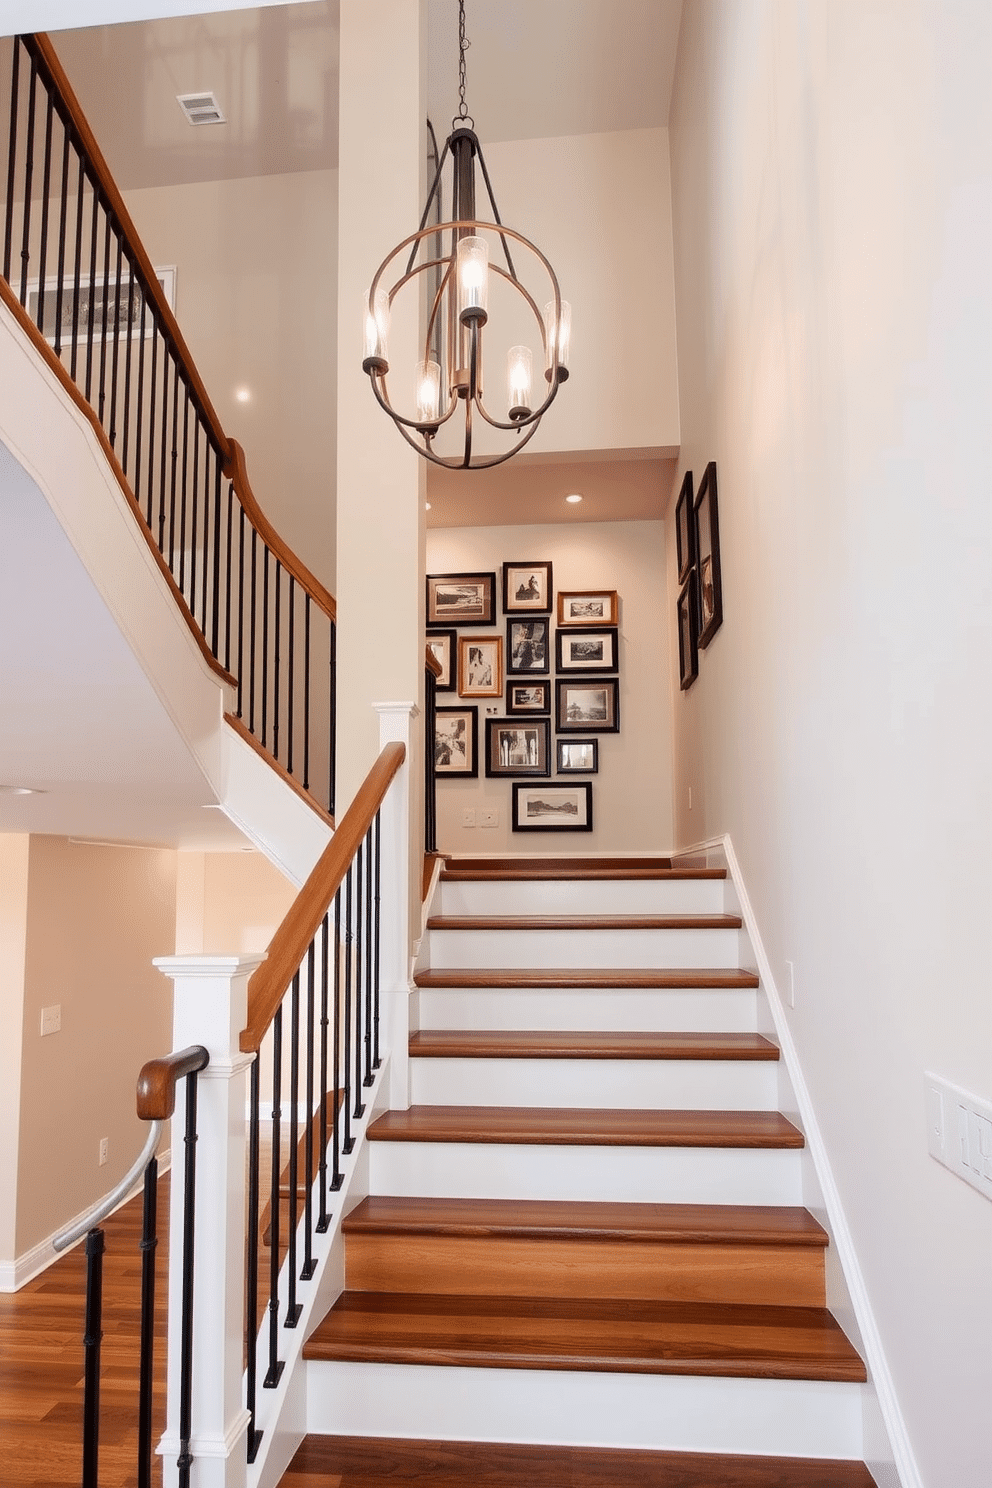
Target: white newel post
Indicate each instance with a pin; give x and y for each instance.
(210, 1008)
(397, 881)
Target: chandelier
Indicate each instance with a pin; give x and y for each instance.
(453, 264)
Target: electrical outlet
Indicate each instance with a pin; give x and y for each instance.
(51, 1019)
(104, 1151)
(468, 816)
(489, 817)
(959, 1132)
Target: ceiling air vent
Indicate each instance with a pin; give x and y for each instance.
(200, 108)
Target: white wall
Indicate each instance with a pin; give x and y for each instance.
(832, 184)
(632, 794)
(14, 848)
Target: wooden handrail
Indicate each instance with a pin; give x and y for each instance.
(431, 663)
(291, 941)
(236, 471)
(159, 1078)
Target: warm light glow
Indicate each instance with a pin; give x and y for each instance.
(377, 326)
(243, 394)
(428, 391)
(564, 332)
(519, 362)
(427, 506)
(574, 499)
(473, 276)
(20, 790)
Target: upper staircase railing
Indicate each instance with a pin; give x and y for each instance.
(77, 278)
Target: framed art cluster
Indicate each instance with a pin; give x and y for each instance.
(699, 608)
(553, 713)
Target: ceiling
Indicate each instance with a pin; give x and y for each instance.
(530, 490)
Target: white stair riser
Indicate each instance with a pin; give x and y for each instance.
(674, 1175)
(641, 1084)
(800, 1418)
(585, 896)
(615, 949)
(620, 1010)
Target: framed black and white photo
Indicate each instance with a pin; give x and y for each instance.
(685, 528)
(480, 666)
(461, 599)
(587, 707)
(586, 650)
(528, 697)
(527, 586)
(588, 607)
(514, 747)
(578, 757)
(710, 591)
(526, 646)
(442, 644)
(456, 742)
(688, 615)
(552, 808)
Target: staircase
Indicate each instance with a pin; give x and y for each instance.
(583, 1243)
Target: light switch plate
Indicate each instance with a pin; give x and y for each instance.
(51, 1019)
(959, 1132)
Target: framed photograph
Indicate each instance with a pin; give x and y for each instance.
(106, 304)
(517, 748)
(456, 742)
(685, 530)
(527, 586)
(528, 697)
(589, 607)
(586, 651)
(527, 645)
(480, 666)
(461, 599)
(552, 808)
(578, 757)
(688, 615)
(710, 594)
(587, 707)
(442, 644)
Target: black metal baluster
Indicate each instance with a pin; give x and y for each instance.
(151, 425)
(77, 267)
(149, 1245)
(28, 175)
(127, 376)
(369, 957)
(46, 188)
(194, 490)
(290, 674)
(102, 400)
(218, 482)
(63, 210)
(349, 1141)
(309, 1264)
(208, 450)
(183, 488)
(117, 342)
(275, 662)
(163, 451)
(265, 641)
(332, 746)
(306, 693)
(358, 864)
(92, 1335)
(293, 1308)
(8, 233)
(175, 467)
(276, 1365)
(94, 227)
(241, 609)
(185, 1459)
(324, 1219)
(251, 631)
(376, 1057)
(430, 780)
(337, 1177)
(251, 1264)
(230, 584)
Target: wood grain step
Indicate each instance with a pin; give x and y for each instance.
(639, 1337)
(585, 922)
(585, 977)
(564, 869)
(369, 1462)
(550, 1126)
(496, 1044)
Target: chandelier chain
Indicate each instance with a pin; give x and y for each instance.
(463, 116)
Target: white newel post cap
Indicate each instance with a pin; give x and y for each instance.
(211, 1001)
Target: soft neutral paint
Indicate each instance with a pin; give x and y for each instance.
(832, 180)
(13, 943)
(632, 794)
(54, 15)
(95, 918)
(255, 297)
(228, 903)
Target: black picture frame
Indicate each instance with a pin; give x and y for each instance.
(516, 747)
(685, 528)
(461, 599)
(459, 745)
(527, 588)
(587, 705)
(524, 699)
(528, 647)
(687, 612)
(562, 806)
(709, 591)
(577, 757)
(443, 645)
(587, 651)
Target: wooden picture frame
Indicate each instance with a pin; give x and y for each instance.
(685, 529)
(687, 611)
(587, 705)
(562, 806)
(515, 747)
(528, 645)
(461, 599)
(578, 757)
(442, 644)
(710, 587)
(586, 607)
(587, 650)
(480, 666)
(456, 743)
(528, 698)
(527, 588)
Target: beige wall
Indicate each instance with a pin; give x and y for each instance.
(228, 903)
(95, 918)
(832, 180)
(14, 856)
(632, 794)
(256, 263)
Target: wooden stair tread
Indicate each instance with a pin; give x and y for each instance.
(722, 1339)
(368, 1462)
(553, 1126)
(555, 1044)
(585, 977)
(474, 870)
(585, 922)
(720, 1224)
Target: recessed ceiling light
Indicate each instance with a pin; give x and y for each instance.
(574, 499)
(20, 790)
(243, 394)
(427, 506)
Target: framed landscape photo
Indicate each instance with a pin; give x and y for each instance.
(586, 650)
(480, 666)
(527, 586)
(587, 707)
(456, 742)
(527, 645)
(688, 615)
(710, 593)
(578, 757)
(461, 599)
(514, 747)
(528, 697)
(588, 607)
(685, 528)
(442, 644)
(561, 807)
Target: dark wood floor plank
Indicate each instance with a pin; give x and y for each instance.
(548, 1125)
(585, 977)
(553, 1044)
